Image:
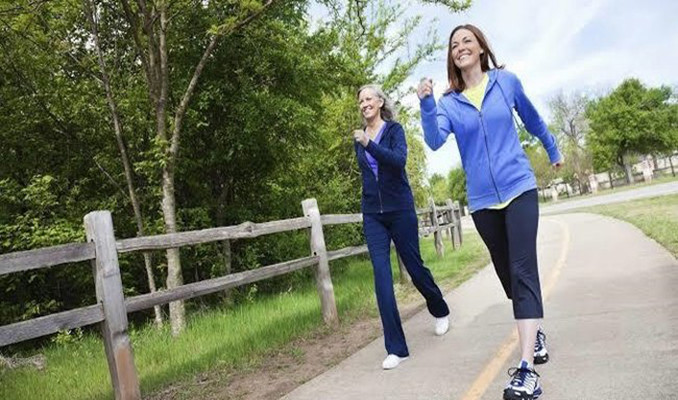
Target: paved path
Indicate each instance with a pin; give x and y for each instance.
(612, 324)
(624, 195)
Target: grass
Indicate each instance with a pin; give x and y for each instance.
(657, 217)
(233, 338)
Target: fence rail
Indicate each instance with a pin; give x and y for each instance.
(45, 257)
(112, 307)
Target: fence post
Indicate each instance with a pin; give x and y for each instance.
(322, 276)
(437, 237)
(405, 277)
(457, 217)
(673, 172)
(455, 231)
(449, 219)
(99, 229)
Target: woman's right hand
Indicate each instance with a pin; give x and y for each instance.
(425, 88)
(361, 137)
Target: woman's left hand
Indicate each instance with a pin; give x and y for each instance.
(558, 164)
(361, 137)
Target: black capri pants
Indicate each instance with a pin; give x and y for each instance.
(510, 235)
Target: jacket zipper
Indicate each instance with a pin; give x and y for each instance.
(487, 149)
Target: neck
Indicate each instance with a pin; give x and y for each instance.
(472, 75)
(374, 123)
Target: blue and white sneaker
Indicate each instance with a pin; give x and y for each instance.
(524, 383)
(541, 356)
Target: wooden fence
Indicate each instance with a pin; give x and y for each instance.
(112, 307)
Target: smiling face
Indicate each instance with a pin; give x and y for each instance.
(370, 104)
(466, 49)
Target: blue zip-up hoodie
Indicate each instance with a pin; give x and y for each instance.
(496, 166)
(389, 190)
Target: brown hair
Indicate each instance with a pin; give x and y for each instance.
(454, 77)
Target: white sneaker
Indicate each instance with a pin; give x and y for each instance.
(391, 361)
(442, 325)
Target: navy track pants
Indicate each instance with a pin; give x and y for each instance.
(402, 228)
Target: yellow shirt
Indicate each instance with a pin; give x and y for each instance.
(476, 95)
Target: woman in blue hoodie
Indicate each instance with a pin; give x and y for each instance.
(501, 186)
(389, 215)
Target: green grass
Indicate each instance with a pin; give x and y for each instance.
(234, 338)
(657, 217)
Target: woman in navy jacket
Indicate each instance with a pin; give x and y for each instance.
(389, 214)
(478, 109)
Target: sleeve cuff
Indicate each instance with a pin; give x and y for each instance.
(427, 104)
(370, 146)
(555, 156)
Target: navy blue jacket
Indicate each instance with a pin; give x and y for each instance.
(390, 190)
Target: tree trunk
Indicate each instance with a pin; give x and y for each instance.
(225, 246)
(117, 127)
(174, 276)
(629, 173)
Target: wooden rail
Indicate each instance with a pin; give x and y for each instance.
(112, 307)
(45, 257)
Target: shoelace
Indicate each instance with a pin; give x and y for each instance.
(541, 339)
(520, 375)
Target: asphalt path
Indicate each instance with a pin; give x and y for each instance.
(611, 303)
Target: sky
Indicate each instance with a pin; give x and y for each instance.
(586, 46)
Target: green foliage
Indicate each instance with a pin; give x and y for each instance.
(439, 188)
(632, 119)
(541, 165)
(67, 337)
(571, 127)
(454, 5)
(268, 126)
(456, 181)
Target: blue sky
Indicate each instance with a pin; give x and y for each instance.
(557, 46)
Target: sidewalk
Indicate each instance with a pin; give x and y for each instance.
(611, 319)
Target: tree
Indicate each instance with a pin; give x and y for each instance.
(91, 14)
(456, 181)
(631, 120)
(571, 126)
(439, 188)
(266, 124)
(150, 28)
(541, 165)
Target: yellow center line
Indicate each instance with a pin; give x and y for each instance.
(487, 375)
